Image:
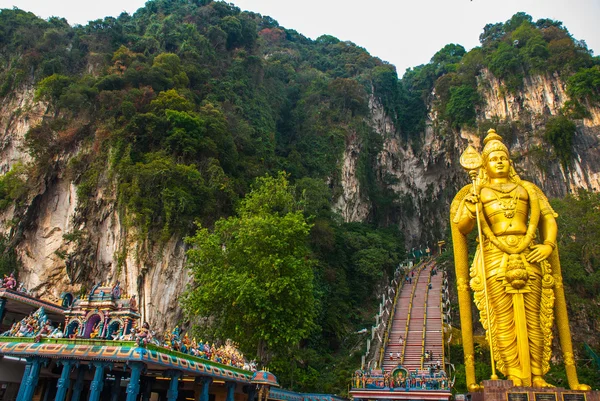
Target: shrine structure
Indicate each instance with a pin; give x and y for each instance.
(93, 347)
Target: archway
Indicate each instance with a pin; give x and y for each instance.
(91, 323)
(399, 376)
(67, 300)
(72, 328)
(113, 329)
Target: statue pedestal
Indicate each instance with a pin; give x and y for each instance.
(503, 390)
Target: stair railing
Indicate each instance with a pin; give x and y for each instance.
(389, 322)
(442, 321)
(425, 321)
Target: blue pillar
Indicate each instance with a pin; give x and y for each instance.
(205, 382)
(230, 386)
(133, 388)
(147, 389)
(78, 385)
(98, 381)
(116, 390)
(64, 381)
(251, 393)
(174, 384)
(24, 381)
(32, 380)
(2, 309)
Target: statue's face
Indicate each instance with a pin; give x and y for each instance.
(498, 164)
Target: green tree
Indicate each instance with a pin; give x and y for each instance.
(461, 106)
(51, 88)
(559, 133)
(446, 59)
(13, 186)
(579, 243)
(585, 84)
(253, 274)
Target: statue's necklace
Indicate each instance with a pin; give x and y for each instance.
(508, 205)
(504, 187)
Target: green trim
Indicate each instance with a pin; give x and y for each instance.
(130, 344)
(127, 344)
(203, 361)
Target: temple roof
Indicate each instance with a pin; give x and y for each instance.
(264, 377)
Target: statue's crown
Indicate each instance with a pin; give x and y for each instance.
(493, 142)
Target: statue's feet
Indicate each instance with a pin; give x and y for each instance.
(473, 387)
(538, 381)
(581, 387)
(516, 380)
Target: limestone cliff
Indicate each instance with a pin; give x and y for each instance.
(427, 172)
(64, 246)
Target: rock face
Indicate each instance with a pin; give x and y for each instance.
(61, 249)
(352, 204)
(541, 97)
(64, 247)
(427, 176)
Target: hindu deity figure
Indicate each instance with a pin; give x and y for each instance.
(186, 344)
(515, 275)
(10, 282)
(96, 330)
(46, 329)
(57, 332)
(133, 302)
(143, 335)
(116, 290)
(118, 335)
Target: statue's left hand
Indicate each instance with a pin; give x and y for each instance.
(539, 253)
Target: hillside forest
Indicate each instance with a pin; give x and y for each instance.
(200, 121)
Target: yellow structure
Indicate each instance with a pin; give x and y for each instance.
(515, 276)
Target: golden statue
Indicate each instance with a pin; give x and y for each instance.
(522, 292)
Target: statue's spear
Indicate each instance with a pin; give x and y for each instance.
(471, 161)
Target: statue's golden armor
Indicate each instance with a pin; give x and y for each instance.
(515, 279)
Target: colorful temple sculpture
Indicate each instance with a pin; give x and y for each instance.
(94, 348)
(102, 314)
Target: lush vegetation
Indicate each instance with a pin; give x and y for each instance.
(175, 111)
(579, 242)
(560, 131)
(511, 51)
(253, 274)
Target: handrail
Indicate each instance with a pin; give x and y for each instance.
(442, 322)
(386, 333)
(425, 321)
(410, 305)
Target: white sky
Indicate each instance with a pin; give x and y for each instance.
(404, 33)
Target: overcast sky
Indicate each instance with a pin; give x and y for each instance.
(404, 33)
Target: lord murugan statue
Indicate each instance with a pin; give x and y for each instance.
(515, 276)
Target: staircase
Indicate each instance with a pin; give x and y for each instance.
(417, 318)
(433, 327)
